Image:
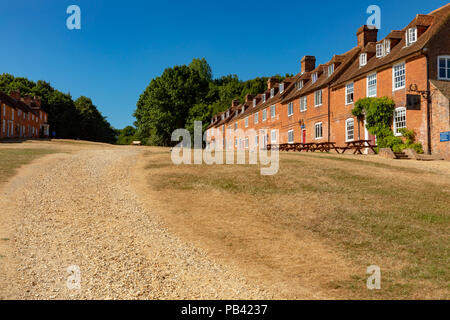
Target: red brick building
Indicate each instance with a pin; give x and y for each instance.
(22, 117)
(411, 66)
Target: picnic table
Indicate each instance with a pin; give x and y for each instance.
(358, 145)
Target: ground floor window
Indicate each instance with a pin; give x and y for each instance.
(291, 136)
(399, 120)
(318, 130)
(274, 136)
(350, 130)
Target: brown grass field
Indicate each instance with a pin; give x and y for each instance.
(312, 230)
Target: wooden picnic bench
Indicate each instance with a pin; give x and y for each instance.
(358, 146)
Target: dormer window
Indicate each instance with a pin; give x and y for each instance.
(300, 84)
(237, 112)
(264, 98)
(243, 109)
(228, 114)
(223, 116)
(411, 36)
(330, 69)
(380, 50)
(281, 87)
(387, 46)
(254, 103)
(272, 92)
(363, 59)
(314, 77)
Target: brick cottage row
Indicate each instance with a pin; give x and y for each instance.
(411, 66)
(22, 118)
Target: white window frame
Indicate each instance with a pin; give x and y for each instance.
(330, 69)
(273, 136)
(362, 59)
(314, 77)
(316, 125)
(254, 103)
(347, 139)
(303, 103)
(291, 136)
(396, 128)
(411, 36)
(256, 118)
(370, 86)
(380, 50)
(447, 67)
(317, 94)
(347, 102)
(281, 87)
(264, 115)
(246, 122)
(300, 85)
(272, 92)
(387, 46)
(273, 111)
(394, 88)
(290, 109)
(264, 98)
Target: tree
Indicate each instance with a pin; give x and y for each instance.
(202, 67)
(126, 136)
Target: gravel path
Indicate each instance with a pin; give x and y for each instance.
(79, 210)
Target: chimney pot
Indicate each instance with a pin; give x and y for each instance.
(308, 63)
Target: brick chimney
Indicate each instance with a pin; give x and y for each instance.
(249, 98)
(37, 101)
(27, 100)
(15, 94)
(271, 83)
(235, 103)
(308, 64)
(366, 34)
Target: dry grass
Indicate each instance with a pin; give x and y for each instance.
(312, 230)
(12, 159)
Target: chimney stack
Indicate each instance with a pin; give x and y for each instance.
(366, 34)
(235, 103)
(248, 98)
(308, 63)
(37, 100)
(15, 94)
(271, 83)
(27, 100)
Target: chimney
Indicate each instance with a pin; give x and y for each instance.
(366, 34)
(235, 103)
(15, 94)
(308, 64)
(271, 83)
(249, 98)
(37, 101)
(27, 100)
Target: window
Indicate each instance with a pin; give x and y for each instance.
(246, 143)
(303, 102)
(264, 116)
(387, 46)
(372, 85)
(223, 116)
(264, 98)
(444, 68)
(235, 126)
(318, 98)
(256, 118)
(349, 89)
(254, 103)
(318, 132)
(380, 50)
(246, 122)
(236, 142)
(272, 111)
(243, 109)
(330, 69)
(411, 36)
(272, 92)
(362, 59)
(291, 136)
(399, 120)
(256, 140)
(349, 130)
(290, 109)
(228, 114)
(4, 125)
(314, 77)
(274, 136)
(281, 87)
(300, 85)
(399, 76)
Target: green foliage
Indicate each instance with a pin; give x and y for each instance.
(378, 113)
(68, 119)
(126, 136)
(185, 94)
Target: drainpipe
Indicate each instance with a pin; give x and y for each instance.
(425, 50)
(329, 115)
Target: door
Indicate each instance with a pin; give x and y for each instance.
(370, 137)
(303, 135)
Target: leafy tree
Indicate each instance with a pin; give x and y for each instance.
(126, 136)
(202, 67)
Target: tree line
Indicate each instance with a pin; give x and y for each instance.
(68, 119)
(184, 94)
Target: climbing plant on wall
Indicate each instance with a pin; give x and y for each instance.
(379, 113)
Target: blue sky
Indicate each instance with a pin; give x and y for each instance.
(124, 44)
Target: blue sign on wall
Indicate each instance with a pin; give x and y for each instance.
(445, 136)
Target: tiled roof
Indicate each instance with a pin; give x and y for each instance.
(434, 21)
